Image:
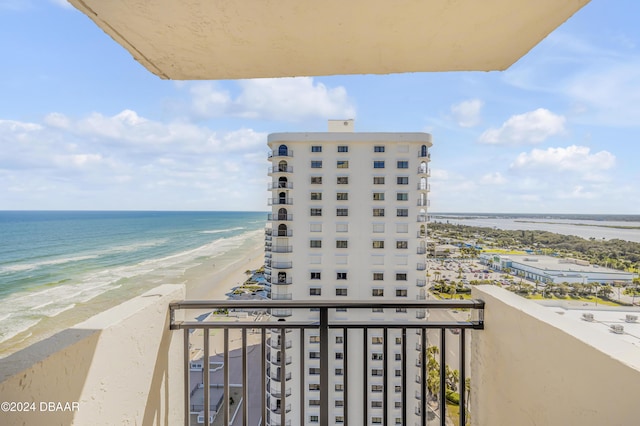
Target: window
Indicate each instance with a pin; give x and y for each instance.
(342, 227)
(403, 164)
(316, 180)
(341, 275)
(378, 228)
(376, 404)
(376, 372)
(316, 196)
(398, 357)
(401, 292)
(402, 180)
(378, 212)
(342, 180)
(315, 291)
(378, 196)
(376, 388)
(314, 339)
(402, 196)
(402, 244)
(315, 402)
(315, 243)
(402, 228)
(378, 180)
(343, 148)
(314, 355)
(342, 244)
(401, 276)
(339, 419)
(342, 164)
(339, 387)
(316, 148)
(398, 404)
(378, 148)
(399, 419)
(376, 356)
(316, 164)
(339, 355)
(378, 276)
(342, 212)
(314, 387)
(316, 212)
(315, 275)
(398, 389)
(377, 292)
(339, 372)
(314, 419)
(378, 164)
(315, 227)
(377, 310)
(314, 371)
(401, 310)
(378, 244)
(398, 373)
(402, 212)
(339, 340)
(376, 340)
(342, 196)
(376, 420)
(341, 291)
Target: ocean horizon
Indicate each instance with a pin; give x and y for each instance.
(53, 263)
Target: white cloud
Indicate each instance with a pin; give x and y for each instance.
(574, 158)
(286, 99)
(103, 160)
(62, 3)
(528, 128)
(467, 113)
(495, 178)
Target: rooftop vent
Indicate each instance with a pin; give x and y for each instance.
(587, 317)
(631, 318)
(617, 328)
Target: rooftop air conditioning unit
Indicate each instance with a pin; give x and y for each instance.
(617, 328)
(631, 318)
(587, 317)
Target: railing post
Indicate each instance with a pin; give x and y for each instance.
(324, 367)
(345, 378)
(187, 369)
(283, 376)
(462, 387)
(263, 341)
(443, 377)
(205, 372)
(245, 380)
(225, 405)
(423, 376)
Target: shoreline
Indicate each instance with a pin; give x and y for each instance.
(211, 279)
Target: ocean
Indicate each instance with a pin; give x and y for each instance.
(63, 266)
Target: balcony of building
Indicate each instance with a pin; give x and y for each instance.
(280, 201)
(280, 153)
(279, 169)
(279, 217)
(527, 366)
(279, 185)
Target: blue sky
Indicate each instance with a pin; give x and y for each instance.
(84, 126)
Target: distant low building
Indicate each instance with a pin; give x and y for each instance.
(555, 270)
(446, 250)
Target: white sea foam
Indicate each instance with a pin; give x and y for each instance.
(21, 311)
(19, 267)
(219, 231)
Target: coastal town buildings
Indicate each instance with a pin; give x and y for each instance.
(348, 222)
(549, 269)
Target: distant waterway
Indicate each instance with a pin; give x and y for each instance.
(628, 229)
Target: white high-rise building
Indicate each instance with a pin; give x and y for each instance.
(348, 222)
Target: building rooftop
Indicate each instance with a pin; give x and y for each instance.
(602, 320)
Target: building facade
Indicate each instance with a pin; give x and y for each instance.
(348, 222)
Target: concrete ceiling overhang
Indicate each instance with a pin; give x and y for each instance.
(235, 39)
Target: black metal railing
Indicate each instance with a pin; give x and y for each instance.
(260, 334)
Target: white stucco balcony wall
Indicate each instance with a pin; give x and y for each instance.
(532, 366)
(122, 366)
